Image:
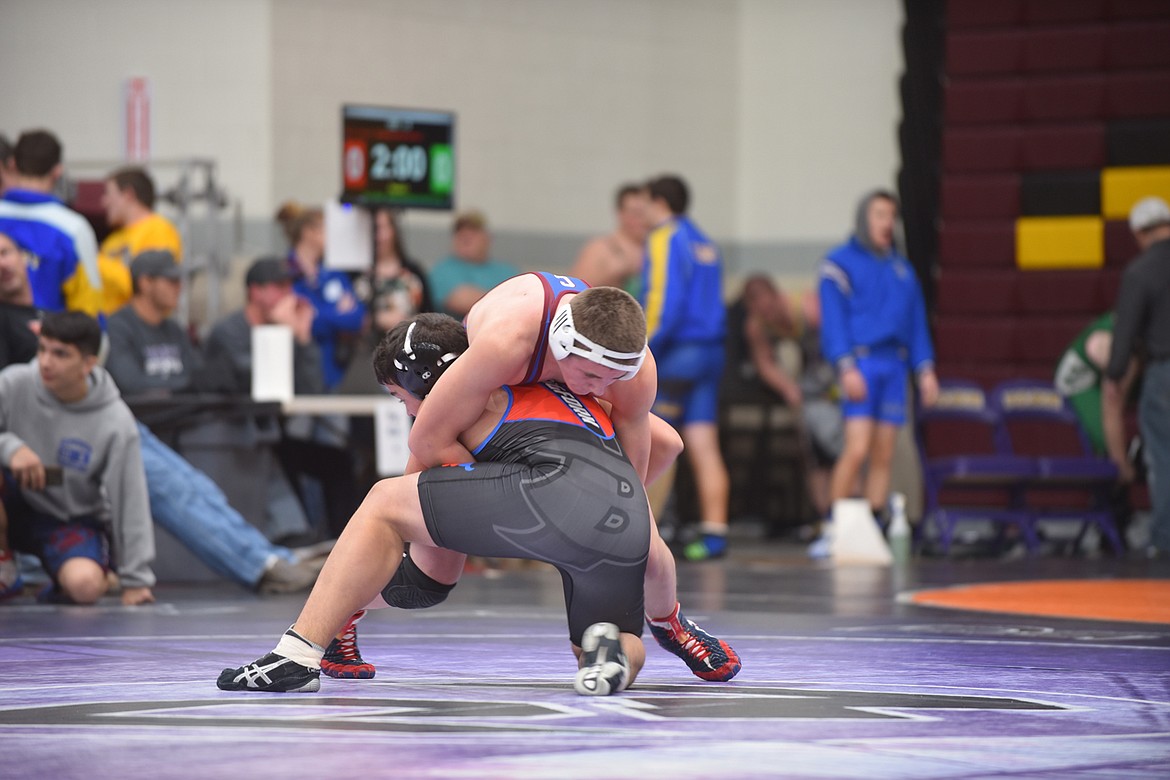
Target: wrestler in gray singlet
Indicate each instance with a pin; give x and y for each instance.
(551, 483)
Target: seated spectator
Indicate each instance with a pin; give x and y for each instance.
(18, 316)
(151, 354)
(271, 301)
(65, 275)
(785, 355)
(464, 276)
(615, 260)
(338, 314)
(73, 469)
(393, 290)
(129, 203)
(5, 161)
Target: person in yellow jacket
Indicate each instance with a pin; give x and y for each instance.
(129, 203)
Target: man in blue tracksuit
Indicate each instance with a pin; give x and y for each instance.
(874, 330)
(682, 293)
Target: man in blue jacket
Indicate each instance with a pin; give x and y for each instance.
(873, 331)
(682, 293)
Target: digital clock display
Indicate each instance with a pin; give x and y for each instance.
(404, 158)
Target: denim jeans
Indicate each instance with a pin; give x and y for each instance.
(185, 502)
(1154, 419)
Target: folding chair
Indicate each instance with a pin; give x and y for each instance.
(966, 475)
(1072, 483)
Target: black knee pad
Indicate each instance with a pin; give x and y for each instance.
(411, 588)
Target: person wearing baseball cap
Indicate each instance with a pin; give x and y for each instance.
(1143, 327)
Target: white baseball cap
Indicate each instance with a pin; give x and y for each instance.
(1147, 213)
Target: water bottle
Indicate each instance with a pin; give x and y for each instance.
(899, 533)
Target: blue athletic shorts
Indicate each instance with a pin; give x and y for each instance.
(885, 383)
(688, 383)
(53, 541)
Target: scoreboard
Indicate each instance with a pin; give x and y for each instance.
(402, 158)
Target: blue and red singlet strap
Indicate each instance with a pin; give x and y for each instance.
(555, 286)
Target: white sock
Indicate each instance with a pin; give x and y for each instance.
(295, 647)
(714, 529)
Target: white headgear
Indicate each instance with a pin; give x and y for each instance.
(564, 340)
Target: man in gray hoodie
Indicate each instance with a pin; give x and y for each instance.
(73, 475)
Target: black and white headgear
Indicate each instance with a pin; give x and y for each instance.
(418, 366)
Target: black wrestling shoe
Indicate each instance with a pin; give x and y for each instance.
(272, 673)
(604, 666)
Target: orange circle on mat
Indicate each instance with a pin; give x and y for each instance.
(1138, 601)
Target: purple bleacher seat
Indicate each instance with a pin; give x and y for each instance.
(1038, 423)
(988, 375)
(981, 291)
(990, 339)
(1054, 98)
(1059, 292)
(1042, 338)
(977, 244)
(983, 101)
(984, 52)
(1132, 95)
(981, 149)
(1064, 49)
(1051, 12)
(1110, 285)
(1138, 45)
(1120, 245)
(964, 14)
(1064, 146)
(965, 474)
(981, 196)
(1122, 10)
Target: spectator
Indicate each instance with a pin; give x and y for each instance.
(822, 405)
(129, 203)
(323, 471)
(151, 354)
(464, 276)
(18, 316)
(615, 260)
(1079, 376)
(806, 383)
(1143, 325)
(395, 287)
(5, 161)
(874, 330)
(685, 318)
(71, 459)
(65, 274)
(270, 300)
(338, 314)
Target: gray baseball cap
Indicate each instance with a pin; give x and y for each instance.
(156, 262)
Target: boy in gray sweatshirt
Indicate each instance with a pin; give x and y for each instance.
(73, 476)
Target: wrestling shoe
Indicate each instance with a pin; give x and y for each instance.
(272, 673)
(342, 658)
(708, 658)
(11, 583)
(707, 547)
(604, 666)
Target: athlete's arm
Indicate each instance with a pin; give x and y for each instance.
(460, 396)
(630, 412)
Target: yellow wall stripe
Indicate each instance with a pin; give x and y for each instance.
(1123, 187)
(1049, 243)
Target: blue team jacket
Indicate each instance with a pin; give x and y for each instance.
(872, 304)
(682, 286)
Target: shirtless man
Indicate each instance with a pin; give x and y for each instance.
(615, 260)
(550, 482)
(564, 319)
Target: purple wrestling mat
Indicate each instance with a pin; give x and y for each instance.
(838, 680)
